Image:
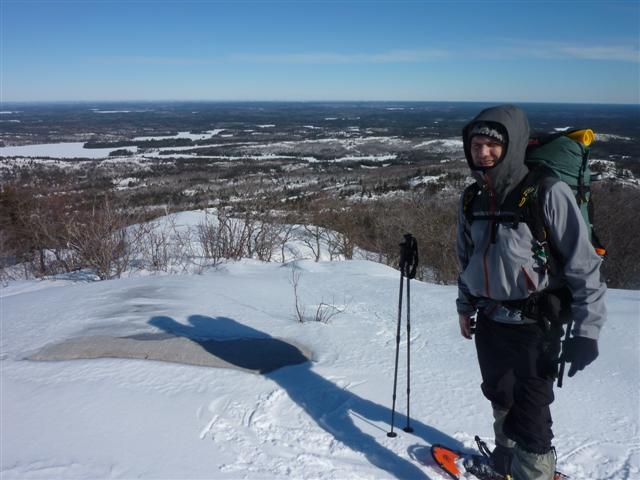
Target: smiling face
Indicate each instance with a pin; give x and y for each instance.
(486, 152)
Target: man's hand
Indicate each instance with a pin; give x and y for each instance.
(465, 325)
(580, 352)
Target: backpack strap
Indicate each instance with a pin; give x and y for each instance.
(547, 256)
(524, 204)
(468, 197)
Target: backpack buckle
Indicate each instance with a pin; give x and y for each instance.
(540, 255)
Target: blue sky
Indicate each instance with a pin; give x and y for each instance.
(544, 51)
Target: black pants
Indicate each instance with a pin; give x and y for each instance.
(515, 366)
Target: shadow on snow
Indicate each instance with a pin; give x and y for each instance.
(330, 406)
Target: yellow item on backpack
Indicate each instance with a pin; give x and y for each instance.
(585, 137)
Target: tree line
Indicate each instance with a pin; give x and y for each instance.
(47, 234)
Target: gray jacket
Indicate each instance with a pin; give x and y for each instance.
(503, 267)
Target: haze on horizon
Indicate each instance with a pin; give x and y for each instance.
(320, 51)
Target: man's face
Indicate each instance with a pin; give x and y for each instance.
(485, 151)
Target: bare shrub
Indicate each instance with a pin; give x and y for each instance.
(379, 227)
(229, 238)
(233, 236)
(184, 251)
(7, 258)
(312, 237)
(155, 246)
(268, 238)
(33, 226)
(615, 205)
(100, 240)
(295, 283)
(286, 233)
(208, 235)
(164, 246)
(435, 231)
(339, 245)
(324, 312)
(336, 229)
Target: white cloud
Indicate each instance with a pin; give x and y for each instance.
(392, 56)
(155, 61)
(565, 51)
(619, 53)
(506, 49)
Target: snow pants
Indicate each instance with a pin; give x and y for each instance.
(517, 377)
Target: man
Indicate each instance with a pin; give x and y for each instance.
(501, 275)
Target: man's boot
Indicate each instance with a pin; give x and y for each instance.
(533, 466)
(501, 459)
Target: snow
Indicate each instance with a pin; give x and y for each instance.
(190, 136)
(442, 144)
(58, 150)
(125, 183)
(94, 110)
(77, 150)
(362, 158)
(607, 137)
(327, 419)
(424, 180)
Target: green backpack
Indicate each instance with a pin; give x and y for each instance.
(565, 156)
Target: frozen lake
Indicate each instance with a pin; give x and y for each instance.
(59, 150)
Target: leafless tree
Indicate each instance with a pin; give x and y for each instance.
(287, 232)
(312, 237)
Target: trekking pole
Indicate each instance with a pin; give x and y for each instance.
(562, 356)
(412, 262)
(408, 428)
(408, 258)
(395, 373)
(391, 433)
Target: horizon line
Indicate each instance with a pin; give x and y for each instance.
(68, 101)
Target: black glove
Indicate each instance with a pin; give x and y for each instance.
(580, 352)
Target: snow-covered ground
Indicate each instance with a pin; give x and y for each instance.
(59, 150)
(126, 418)
(190, 136)
(351, 145)
(327, 419)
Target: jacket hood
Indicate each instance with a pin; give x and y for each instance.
(510, 170)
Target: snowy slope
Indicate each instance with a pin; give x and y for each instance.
(115, 418)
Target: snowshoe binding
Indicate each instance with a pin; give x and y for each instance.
(456, 464)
